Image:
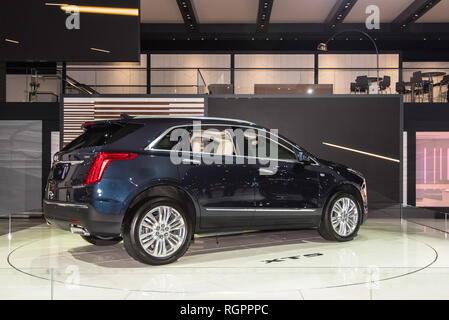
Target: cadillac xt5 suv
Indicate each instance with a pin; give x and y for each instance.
(155, 182)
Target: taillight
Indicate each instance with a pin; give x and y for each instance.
(87, 124)
(98, 167)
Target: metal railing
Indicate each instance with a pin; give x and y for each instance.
(138, 80)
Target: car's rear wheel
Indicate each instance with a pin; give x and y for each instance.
(102, 241)
(341, 218)
(159, 232)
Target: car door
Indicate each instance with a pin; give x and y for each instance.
(286, 190)
(223, 188)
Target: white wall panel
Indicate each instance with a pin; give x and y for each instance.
(246, 79)
(122, 77)
(188, 76)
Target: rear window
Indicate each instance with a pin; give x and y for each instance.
(100, 135)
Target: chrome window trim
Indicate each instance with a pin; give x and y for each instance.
(150, 147)
(198, 155)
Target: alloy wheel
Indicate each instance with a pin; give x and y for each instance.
(344, 216)
(162, 231)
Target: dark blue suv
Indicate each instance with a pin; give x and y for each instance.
(155, 182)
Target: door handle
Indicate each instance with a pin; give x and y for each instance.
(191, 161)
(265, 171)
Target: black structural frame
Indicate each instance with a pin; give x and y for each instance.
(2, 82)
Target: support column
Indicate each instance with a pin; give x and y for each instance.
(2, 82)
(148, 73)
(233, 72)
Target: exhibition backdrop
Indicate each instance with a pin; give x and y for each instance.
(369, 124)
(25, 153)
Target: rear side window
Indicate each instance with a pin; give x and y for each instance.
(100, 135)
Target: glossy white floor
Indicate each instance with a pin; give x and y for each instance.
(388, 260)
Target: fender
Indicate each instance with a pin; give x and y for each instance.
(161, 183)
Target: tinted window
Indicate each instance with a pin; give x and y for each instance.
(209, 140)
(99, 135)
(253, 147)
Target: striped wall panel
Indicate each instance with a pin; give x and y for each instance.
(79, 110)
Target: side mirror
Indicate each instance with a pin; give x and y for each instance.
(303, 157)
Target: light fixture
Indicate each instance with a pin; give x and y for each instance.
(100, 50)
(310, 91)
(12, 41)
(322, 46)
(98, 10)
(361, 152)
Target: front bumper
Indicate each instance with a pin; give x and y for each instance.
(66, 215)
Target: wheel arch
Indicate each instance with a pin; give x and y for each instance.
(165, 190)
(344, 187)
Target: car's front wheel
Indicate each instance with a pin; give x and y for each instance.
(159, 232)
(341, 218)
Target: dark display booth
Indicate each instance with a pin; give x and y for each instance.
(362, 132)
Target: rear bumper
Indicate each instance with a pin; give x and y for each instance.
(65, 215)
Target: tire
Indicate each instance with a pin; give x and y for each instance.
(145, 234)
(102, 241)
(337, 231)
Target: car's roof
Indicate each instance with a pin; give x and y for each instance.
(186, 120)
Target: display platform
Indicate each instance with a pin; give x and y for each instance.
(41, 262)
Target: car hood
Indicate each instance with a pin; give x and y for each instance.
(331, 164)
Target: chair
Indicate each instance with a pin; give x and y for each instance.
(421, 86)
(444, 82)
(353, 87)
(401, 88)
(362, 84)
(385, 84)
